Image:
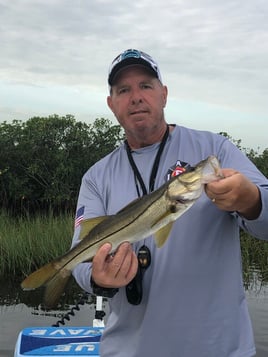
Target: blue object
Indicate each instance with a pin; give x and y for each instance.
(58, 341)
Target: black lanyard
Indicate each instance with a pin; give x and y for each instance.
(154, 169)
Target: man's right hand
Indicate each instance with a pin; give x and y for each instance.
(116, 270)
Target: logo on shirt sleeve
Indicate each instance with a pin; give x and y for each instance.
(178, 169)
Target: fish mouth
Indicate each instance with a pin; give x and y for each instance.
(182, 200)
(189, 197)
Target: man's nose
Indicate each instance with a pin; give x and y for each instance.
(136, 96)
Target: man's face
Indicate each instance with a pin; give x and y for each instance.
(137, 100)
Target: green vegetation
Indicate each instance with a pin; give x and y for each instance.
(28, 243)
(42, 161)
(255, 259)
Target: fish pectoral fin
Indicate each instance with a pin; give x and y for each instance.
(162, 235)
(88, 224)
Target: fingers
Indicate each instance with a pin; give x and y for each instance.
(114, 270)
(235, 192)
(224, 186)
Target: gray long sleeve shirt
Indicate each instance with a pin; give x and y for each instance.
(193, 298)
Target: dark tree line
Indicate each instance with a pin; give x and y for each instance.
(43, 160)
(259, 159)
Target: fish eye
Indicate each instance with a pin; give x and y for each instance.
(173, 207)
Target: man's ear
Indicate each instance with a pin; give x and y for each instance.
(110, 103)
(165, 94)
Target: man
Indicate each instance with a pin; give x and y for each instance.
(185, 299)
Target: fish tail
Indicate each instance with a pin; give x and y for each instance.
(53, 277)
(39, 277)
(54, 289)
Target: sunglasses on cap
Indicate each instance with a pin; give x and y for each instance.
(132, 57)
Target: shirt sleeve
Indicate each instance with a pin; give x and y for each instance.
(89, 204)
(232, 157)
(258, 227)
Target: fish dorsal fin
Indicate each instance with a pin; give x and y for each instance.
(162, 235)
(88, 224)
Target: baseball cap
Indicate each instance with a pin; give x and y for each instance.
(131, 57)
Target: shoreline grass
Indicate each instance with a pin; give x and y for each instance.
(28, 243)
(254, 259)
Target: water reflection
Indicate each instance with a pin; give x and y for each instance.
(20, 309)
(12, 294)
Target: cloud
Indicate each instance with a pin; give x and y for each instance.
(211, 52)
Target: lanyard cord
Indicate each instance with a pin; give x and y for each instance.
(134, 288)
(136, 172)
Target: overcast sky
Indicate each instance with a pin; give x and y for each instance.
(213, 56)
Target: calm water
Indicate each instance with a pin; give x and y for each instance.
(17, 312)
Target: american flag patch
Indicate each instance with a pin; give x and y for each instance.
(79, 216)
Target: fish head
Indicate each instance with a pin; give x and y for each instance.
(189, 185)
(210, 170)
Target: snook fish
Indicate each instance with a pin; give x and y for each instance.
(152, 214)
